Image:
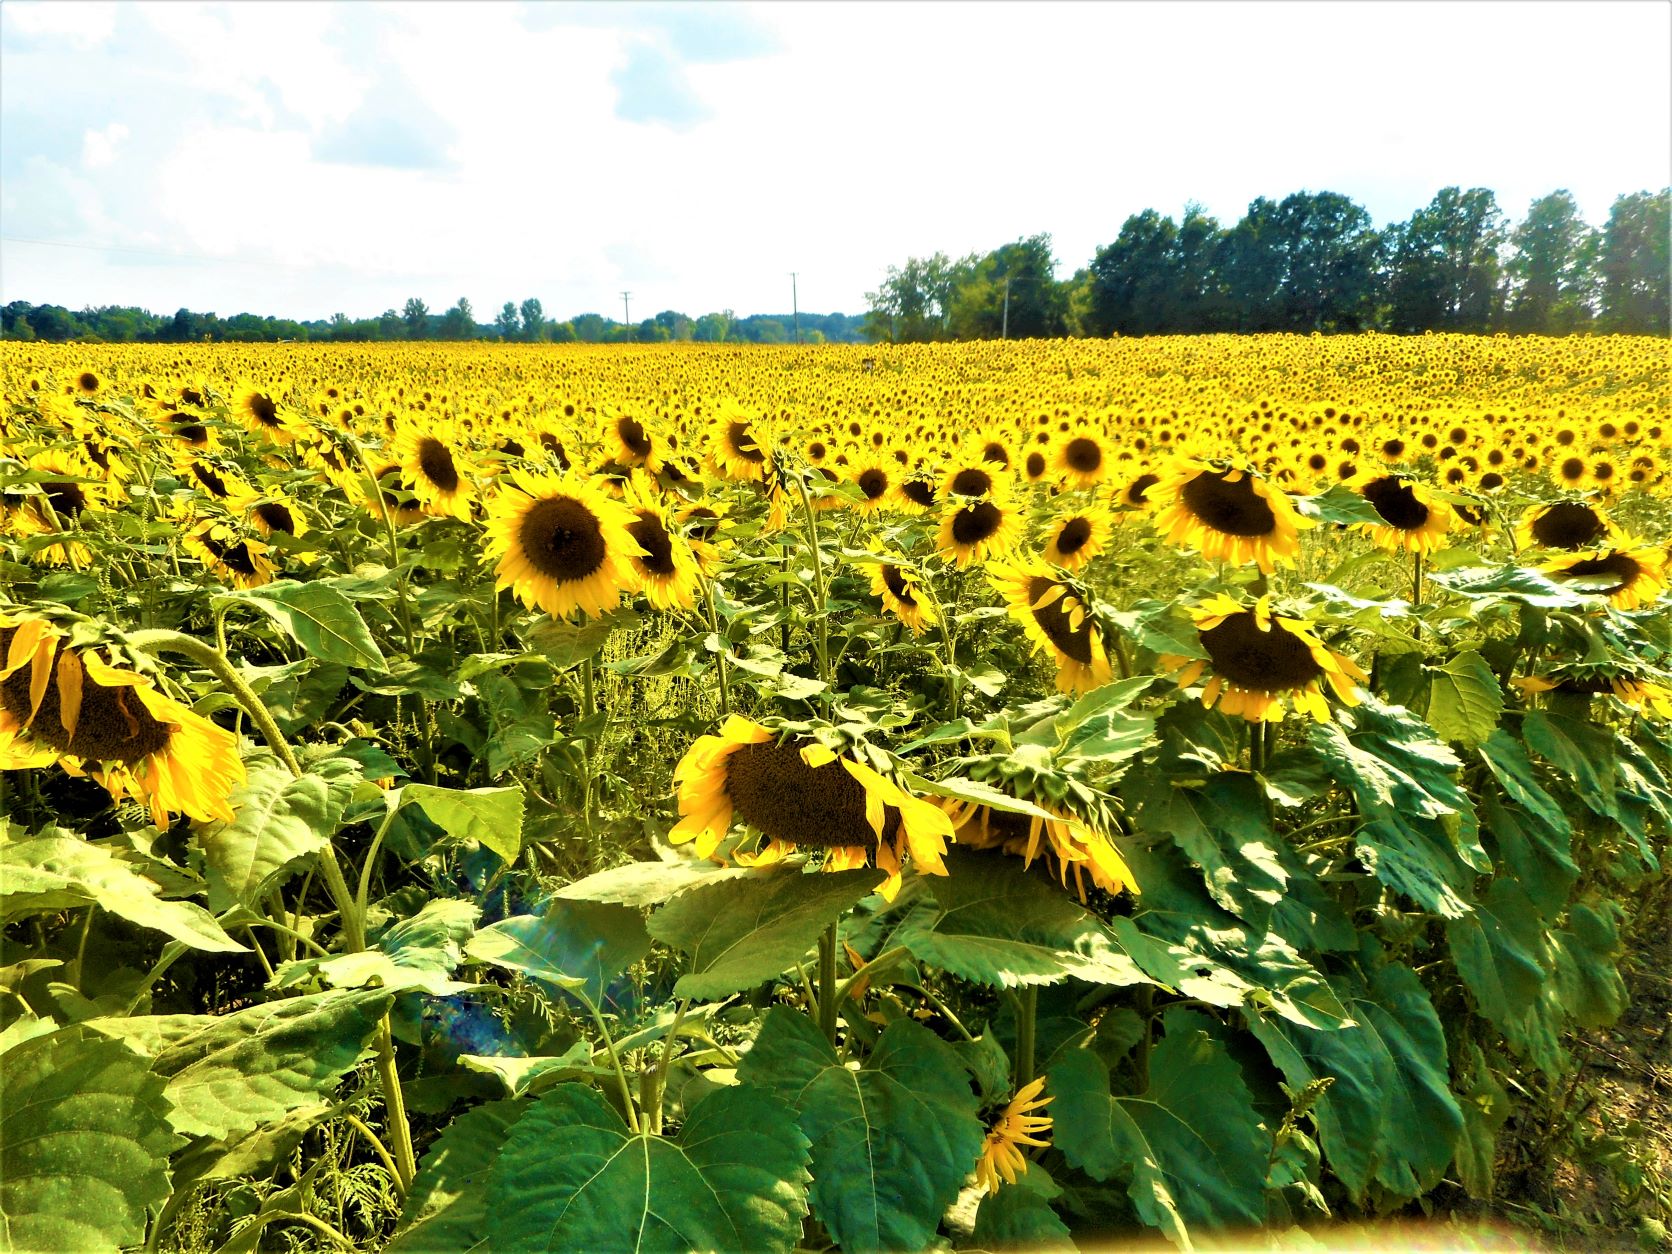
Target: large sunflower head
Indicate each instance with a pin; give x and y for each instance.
(1630, 574)
(1413, 518)
(1258, 663)
(1077, 537)
(737, 447)
(667, 571)
(875, 480)
(629, 443)
(229, 553)
(1650, 696)
(562, 544)
(434, 466)
(793, 792)
(257, 408)
(1083, 459)
(1054, 614)
(67, 704)
(1227, 514)
(974, 531)
(901, 592)
(276, 513)
(1570, 525)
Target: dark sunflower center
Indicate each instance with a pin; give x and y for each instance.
(775, 792)
(235, 557)
(743, 442)
(1233, 508)
(561, 539)
(972, 482)
(873, 483)
(1007, 826)
(631, 431)
(87, 381)
(1568, 525)
(1035, 465)
(1592, 685)
(894, 579)
(653, 538)
(703, 522)
(993, 451)
(112, 725)
(1396, 502)
(511, 448)
(1617, 566)
(919, 492)
(66, 498)
(975, 523)
(1073, 536)
(1262, 661)
(193, 433)
(1055, 622)
(554, 446)
(263, 410)
(1573, 469)
(276, 517)
(99, 457)
(436, 462)
(1083, 455)
(209, 479)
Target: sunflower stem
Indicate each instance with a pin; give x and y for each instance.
(81, 945)
(631, 1111)
(949, 639)
(659, 1083)
(1416, 595)
(829, 1003)
(1027, 1015)
(720, 657)
(823, 637)
(1257, 747)
(394, 1103)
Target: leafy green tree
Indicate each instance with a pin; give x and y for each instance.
(533, 319)
(1446, 273)
(1132, 279)
(589, 328)
(1011, 291)
(459, 322)
(711, 328)
(1634, 264)
(508, 323)
(417, 318)
(1552, 268)
(389, 325)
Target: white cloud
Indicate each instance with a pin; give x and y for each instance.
(98, 148)
(84, 25)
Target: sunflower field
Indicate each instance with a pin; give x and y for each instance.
(971, 796)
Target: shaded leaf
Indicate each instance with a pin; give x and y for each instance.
(315, 615)
(1464, 699)
(281, 820)
(447, 1207)
(648, 883)
(492, 817)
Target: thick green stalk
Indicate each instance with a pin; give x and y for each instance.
(1027, 1016)
(823, 635)
(829, 1002)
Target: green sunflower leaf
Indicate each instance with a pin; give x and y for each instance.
(892, 1140)
(84, 1143)
(447, 1208)
(741, 933)
(281, 820)
(1464, 699)
(571, 1176)
(576, 945)
(492, 817)
(648, 883)
(315, 615)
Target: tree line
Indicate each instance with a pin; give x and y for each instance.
(1312, 261)
(525, 322)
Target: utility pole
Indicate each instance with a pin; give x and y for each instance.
(795, 307)
(1004, 330)
(626, 317)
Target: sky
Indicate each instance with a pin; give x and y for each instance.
(301, 159)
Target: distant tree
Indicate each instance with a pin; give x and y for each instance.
(459, 322)
(533, 319)
(416, 315)
(1132, 279)
(589, 328)
(1634, 264)
(561, 332)
(1552, 270)
(711, 328)
(389, 325)
(675, 325)
(1445, 270)
(509, 322)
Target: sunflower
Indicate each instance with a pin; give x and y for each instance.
(1628, 573)
(393, 501)
(1077, 537)
(667, 572)
(875, 482)
(561, 544)
(1570, 525)
(1260, 662)
(438, 476)
(69, 705)
(1230, 514)
(1641, 694)
(259, 412)
(276, 512)
(976, 479)
(897, 587)
(982, 529)
(1135, 495)
(736, 450)
(796, 792)
(1057, 621)
(1015, 1126)
(630, 444)
(1072, 845)
(918, 493)
(703, 524)
(215, 480)
(229, 554)
(1083, 459)
(1413, 518)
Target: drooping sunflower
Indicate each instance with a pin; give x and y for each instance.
(630, 444)
(215, 480)
(229, 554)
(1227, 514)
(1071, 845)
(1083, 459)
(898, 588)
(1259, 663)
(1629, 573)
(736, 449)
(981, 529)
(1057, 621)
(1570, 525)
(1077, 537)
(918, 493)
(1646, 695)
(667, 572)
(796, 792)
(1016, 1126)
(1414, 520)
(704, 524)
(562, 545)
(257, 409)
(69, 705)
(434, 467)
(274, 512)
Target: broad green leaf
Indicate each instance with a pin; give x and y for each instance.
(1388, 1116)
(994, 923)
(567, 644)
(281, 820)
(52, 872)
(973, 790)
(490, 816)
(531, 1075)
(1521, 584)
(84, 1143)
(447, 1208)
(1486, 1107)
(1191, 1147)
(571, 1176)
(231, 1073)
(1510, 765)
(648, 883)
(416, 953)
(575, 945)
(1587, 978)
(1464, 699)
(892, 1140)
(315, 615)
(1019, 1216)
(1503, 954)
(1583, 752)
(744, 932)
